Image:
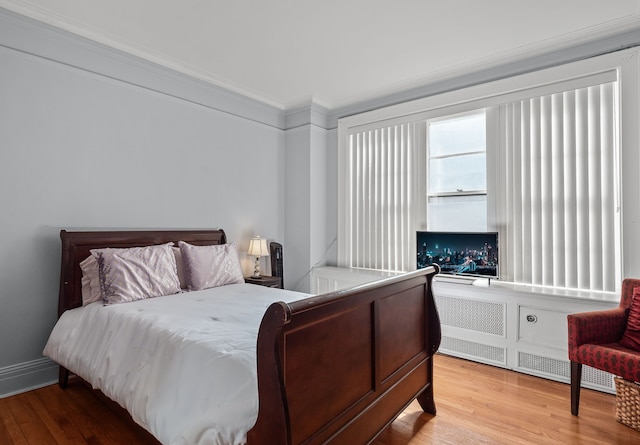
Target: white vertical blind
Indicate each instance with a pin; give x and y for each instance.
(561, 202)
(557, 171)
(380, 182)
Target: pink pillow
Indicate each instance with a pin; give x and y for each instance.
(210, 266)
(90, 281)
(136, 273)
(182, 275)
(631, 337)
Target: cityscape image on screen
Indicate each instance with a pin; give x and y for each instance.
(460, 253)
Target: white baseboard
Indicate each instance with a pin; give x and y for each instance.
(26, 376)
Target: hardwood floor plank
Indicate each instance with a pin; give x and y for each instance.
(10, 433)
(46, 418)
(105, 422)
(29, 423)
(477, 404)
(68, 421)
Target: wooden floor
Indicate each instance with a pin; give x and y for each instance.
(477, 404)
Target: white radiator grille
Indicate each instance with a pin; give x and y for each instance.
(545, 365)
(472, 350)
(597, 377)
(561, 368)
(480, 316)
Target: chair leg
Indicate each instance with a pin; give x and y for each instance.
(576, 377)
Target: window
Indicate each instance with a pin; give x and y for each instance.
(541, 158)
(379, 189)
(561, 203)
(457, 173)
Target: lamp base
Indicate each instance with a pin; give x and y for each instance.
(256, 269)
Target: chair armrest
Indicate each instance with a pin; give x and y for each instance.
(597, 327)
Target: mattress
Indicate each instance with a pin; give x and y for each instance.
(183, 365)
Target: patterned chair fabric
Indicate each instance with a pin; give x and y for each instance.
(593, 341)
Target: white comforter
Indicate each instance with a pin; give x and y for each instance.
(183, 365)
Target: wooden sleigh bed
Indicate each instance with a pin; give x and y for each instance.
(335, 368)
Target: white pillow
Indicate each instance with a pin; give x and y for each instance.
(136, 273)
(182, 278)
(90, 280)
(211, 266)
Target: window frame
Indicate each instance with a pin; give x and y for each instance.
(460, 192)
(623, 64)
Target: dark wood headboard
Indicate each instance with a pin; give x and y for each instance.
(76, 247)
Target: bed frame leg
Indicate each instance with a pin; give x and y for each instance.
(426, 401)
(63, 377)
(425, 398)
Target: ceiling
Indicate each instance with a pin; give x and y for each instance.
(335, 52)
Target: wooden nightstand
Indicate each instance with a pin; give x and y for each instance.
(265, 280)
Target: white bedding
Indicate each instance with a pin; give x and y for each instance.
(183, 365)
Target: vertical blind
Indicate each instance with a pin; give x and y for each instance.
(561, 203)
(379, 184)
(556, 195)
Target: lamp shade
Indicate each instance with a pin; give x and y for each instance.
(258, 247)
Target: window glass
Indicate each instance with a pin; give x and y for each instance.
(457, 173)
(465, 173)
(464, 134)
(457, 213)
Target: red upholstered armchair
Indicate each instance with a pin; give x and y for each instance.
(594, 340)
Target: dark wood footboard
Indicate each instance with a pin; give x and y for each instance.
(338, 368)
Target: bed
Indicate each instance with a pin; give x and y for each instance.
(334, 368)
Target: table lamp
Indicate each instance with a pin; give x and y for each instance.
(257, 248)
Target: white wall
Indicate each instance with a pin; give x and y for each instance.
(83, 150)
(296, 242)
(310, 215)
(306, 197)
(331, 217)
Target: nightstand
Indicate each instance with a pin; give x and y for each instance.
(265, 280)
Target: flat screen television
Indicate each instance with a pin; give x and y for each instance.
(459, 253)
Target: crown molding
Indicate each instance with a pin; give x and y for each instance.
(589, 36)
(27, 28)
(75, 27)
(29, 36)
(308, 114)
(603, 44)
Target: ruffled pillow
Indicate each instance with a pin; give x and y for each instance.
(136, 273)
(631, 337)
(90, 280)
(210, 266)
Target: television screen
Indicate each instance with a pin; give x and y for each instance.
(460, 253)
